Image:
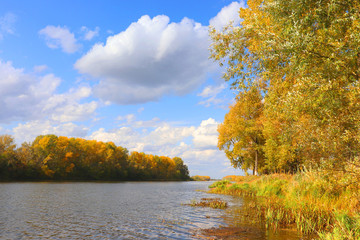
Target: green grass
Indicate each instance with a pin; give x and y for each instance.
(306, 200)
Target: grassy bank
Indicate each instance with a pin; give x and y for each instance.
(306, 200)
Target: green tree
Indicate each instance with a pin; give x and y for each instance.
(182, 171)
(8, 163)
(28, 167)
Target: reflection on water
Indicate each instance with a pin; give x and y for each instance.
(128, 210)
(243, 223)
(140, 210)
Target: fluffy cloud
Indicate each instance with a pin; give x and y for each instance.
(66, 107)
(195, 144)
(168, 135)
(159, 137)
(31, 97)
(124, 136)
(28, 131)
(151, 58)
(206, 135)
(7, 24)
(90, 34)
(21, 94)
(227, 14)
(60, 37)
(156, 141)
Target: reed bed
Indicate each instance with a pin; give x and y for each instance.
(210, 202)
(306, 200)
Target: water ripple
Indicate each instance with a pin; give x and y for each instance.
(142, 210)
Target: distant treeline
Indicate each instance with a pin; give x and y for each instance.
(200, 178)
(50, 157)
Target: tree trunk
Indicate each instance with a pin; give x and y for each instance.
(255, 172)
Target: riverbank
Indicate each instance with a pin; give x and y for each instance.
(305, 201)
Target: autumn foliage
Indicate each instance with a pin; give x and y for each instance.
(51, 157)
(200, 178)
(303, 59)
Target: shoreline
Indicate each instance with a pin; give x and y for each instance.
(306, 201)
(241, 222)
(89, 181)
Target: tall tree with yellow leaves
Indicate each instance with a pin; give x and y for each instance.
(306, 55)
(241, 133)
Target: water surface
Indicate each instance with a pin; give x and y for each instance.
(130, 210)
(127, 210)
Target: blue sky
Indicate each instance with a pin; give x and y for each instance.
(135, 73)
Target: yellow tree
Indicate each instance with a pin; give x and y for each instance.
(306, 54)
(7, 147)
(44, 149)
(240, 135)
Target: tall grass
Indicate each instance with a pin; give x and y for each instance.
(307, 200)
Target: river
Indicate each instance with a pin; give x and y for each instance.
(95, 210)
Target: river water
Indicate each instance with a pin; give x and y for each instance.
(127, 210)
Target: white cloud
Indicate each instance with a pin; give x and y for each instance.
(21, 95)
(210, 162)
(128, 118)
(212, 91)
(196, 145)
(27, 132)
(90, 34)
(166, 135)
(60, 37)
(7, 24)
(66, 107)
(124, 136)
(211, 95)
(28, 97)
(202, 156)
(161, 137)
(153, 123)
(156, 140)
(206, 135)
(227, 14)
(148, 60)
